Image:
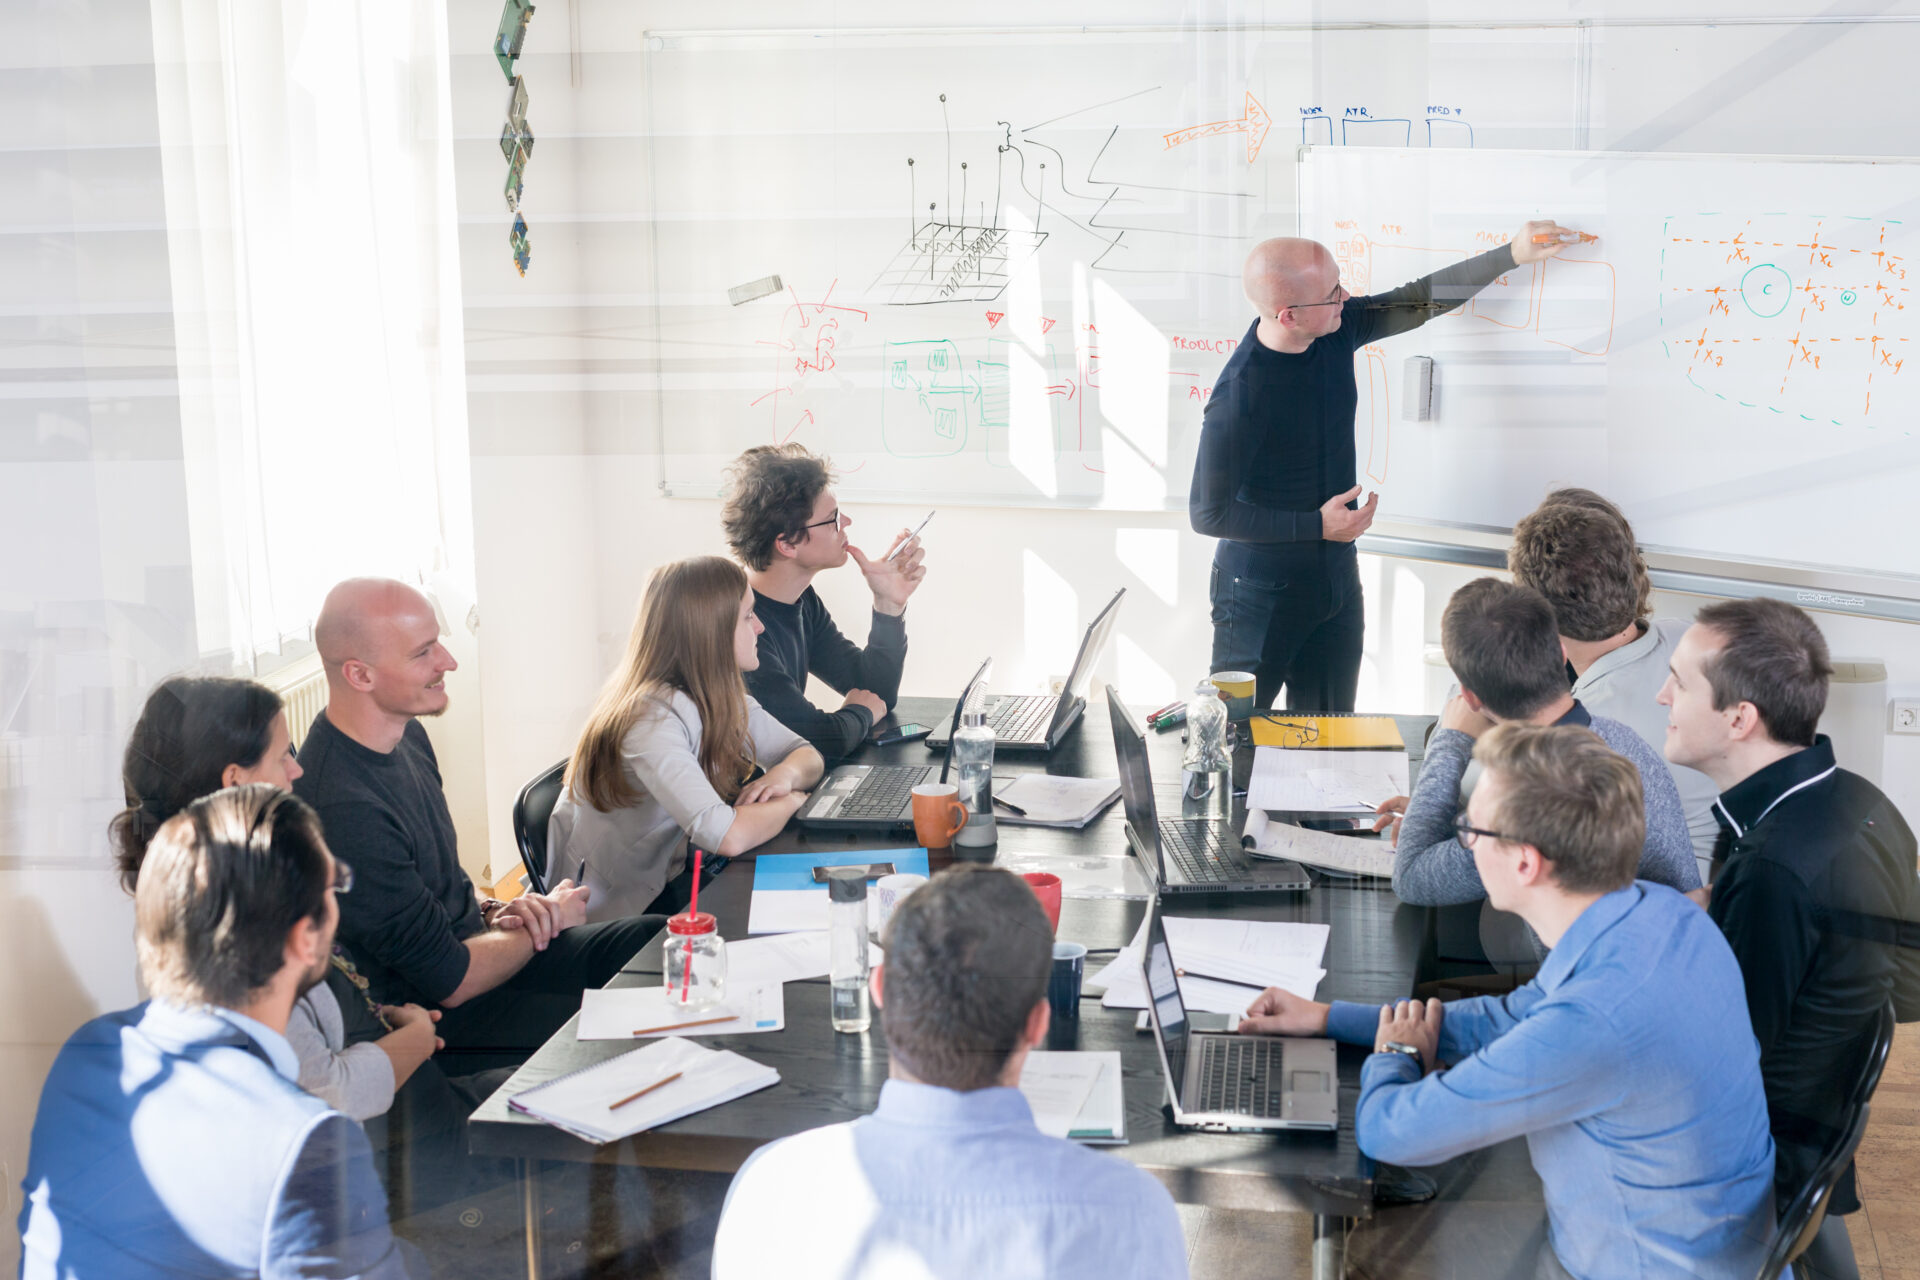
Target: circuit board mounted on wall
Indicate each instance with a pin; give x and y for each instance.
(512, 34)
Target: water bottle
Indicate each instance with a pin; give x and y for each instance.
(1207, 769)
(973, 760)
(847, 949)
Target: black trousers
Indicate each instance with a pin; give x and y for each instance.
(1293, 616)
(522, 1013)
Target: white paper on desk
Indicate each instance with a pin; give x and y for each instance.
(1054, 801)
(1057, 1085)
(615, 1013)
(583, 1103)
(781, 957)
(1209, 995)
(1282, 779)
(1353, 855)
(785, 957)
(787, 910)
(1224, 963)
(1259, 952)
(1092, 875)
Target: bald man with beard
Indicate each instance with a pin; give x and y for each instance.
(1275, 479)
(507, 975)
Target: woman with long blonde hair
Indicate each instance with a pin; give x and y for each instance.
(669, 752)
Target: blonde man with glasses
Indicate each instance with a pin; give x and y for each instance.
(1628, 1063)
(1276, 478)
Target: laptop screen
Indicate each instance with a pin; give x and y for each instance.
(1169, 1015)
(1136, 781)
(1091, 646)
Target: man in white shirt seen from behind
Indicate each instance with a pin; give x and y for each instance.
(949, 1177)
(1577, 550)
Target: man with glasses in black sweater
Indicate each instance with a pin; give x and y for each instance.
(1275, 477)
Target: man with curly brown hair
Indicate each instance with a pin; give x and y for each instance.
(785, 525)
(1577, 550)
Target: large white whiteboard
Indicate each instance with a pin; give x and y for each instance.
(1042, 326)
(1731, 361)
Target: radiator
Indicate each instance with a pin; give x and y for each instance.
(302, 686)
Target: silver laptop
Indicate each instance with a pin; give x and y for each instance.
(1037, 722)
(1233, 1082)
(1187, 855)
(865, 797)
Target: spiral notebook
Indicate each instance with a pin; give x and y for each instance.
(591, 1103)
(1326, 731)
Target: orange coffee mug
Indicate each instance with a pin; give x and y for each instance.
(938, 814)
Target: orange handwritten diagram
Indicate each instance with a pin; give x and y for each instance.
(1798, 316)
(1254, 124)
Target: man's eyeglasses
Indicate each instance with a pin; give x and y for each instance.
(1335, 301)
(831, 522)
(1467, 833)
(1293, 733)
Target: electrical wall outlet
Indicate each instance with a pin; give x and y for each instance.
(1905, 717)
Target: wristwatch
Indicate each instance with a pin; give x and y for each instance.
(1412, 1051)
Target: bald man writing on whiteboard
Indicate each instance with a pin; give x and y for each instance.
(1275, 479)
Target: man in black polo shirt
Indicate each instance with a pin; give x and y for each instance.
(1275, 477)
(506, 974)
(1813, 875)
(784, 523)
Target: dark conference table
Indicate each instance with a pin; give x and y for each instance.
(1374, 949)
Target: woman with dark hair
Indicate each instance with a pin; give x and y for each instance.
(201, 734)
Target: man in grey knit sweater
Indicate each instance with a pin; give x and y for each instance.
(1503, 643)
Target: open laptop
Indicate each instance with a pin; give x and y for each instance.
(1187, 855)
(1231, 1082)
(860, 797)
(1037, 722)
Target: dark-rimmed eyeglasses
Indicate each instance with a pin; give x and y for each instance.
(1467, 833)
(1335, 301)
(831, 522)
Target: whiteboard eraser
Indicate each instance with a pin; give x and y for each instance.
(1417, 401)
(758, 289)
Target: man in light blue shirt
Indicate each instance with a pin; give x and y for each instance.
(949, 1177)
(1628, 1063)
(173, 1138)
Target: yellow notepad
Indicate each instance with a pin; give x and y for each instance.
(1328, 733)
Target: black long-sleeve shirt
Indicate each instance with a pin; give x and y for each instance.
(385, 815)
(1816, 891)
(1276, 439)
(799, 639)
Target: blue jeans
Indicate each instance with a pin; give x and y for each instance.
(1292, 615)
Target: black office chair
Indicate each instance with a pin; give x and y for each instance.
(1800, 1222)
(530, 814)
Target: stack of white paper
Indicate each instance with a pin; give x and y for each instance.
(1052, 801)
(1308, 781)
(1224, 964)
(592, 1104)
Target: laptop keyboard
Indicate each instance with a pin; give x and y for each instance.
(1020, 718)
(884, 793)
(1240, 1075)
(1199, 849)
